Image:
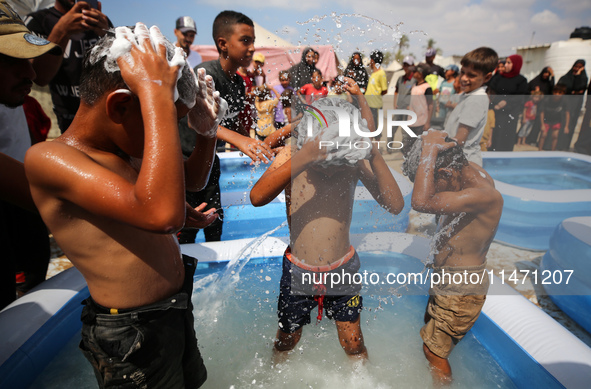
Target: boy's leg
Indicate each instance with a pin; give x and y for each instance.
(555, 134)
(440, 367)
(351, 338)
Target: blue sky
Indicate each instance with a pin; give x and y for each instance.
(457, 26)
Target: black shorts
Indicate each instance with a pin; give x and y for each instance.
(295, 303)
(153, 346)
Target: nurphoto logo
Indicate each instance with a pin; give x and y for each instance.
(345, 126)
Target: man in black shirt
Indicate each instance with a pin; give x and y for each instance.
(75, 27)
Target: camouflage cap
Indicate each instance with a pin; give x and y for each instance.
(17, 41)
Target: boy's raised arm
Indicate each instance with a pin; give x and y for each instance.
(155, 201)
(379, 181)
(279, 174)
(426, 199)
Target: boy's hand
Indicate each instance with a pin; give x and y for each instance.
(257, 150)
(351, 86)
(209, 107)
(194, 218)
(435, 140)
(146, 69)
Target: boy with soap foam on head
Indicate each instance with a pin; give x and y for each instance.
(319, 186)
(464, 195)
(112, 191)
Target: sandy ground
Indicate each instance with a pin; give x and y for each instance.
(500, 257)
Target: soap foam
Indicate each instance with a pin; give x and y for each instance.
(342, 155)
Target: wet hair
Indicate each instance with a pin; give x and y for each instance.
(377, 56)
(286, 97)
(559, 88)
(223, 25)
(453, 158)
(482, 59)
(284, 73)
(101, 74)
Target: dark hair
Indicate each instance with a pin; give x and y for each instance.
(95, 80)
(453, 158)
(377, 56)
(284, 73)
(101, 74)
(286, 97)
(559, 88)
(316, 70)
(483, 59)
(223, 25)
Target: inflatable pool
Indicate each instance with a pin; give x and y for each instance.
(567, 269)
(540, 190)
(243, 220)
(519, 345)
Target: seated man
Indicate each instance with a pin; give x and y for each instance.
(112, 191)
(464, 195)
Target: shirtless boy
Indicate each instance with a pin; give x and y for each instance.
(319, 202)
(463, 194)
(112, 191)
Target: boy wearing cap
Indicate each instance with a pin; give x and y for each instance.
(17, 46)
(185, 33)
(467, 121)
(75, 27)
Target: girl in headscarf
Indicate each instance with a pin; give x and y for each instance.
(576, 83)
(357, 71)
(510, 89)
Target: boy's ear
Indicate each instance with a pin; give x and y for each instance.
(487, 77)
(118, 105)
(444, 173)
(222, 43)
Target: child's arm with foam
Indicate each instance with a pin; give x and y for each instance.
(204, 119)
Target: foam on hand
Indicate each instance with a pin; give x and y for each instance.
(125, 39)
(339, 152)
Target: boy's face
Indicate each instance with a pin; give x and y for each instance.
(316, 80)
(239, 47)
(471, 79)
(284, 80)
(557, 94)
(537, 98)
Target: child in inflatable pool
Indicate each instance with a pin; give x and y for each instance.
(112, 191)
(469, 206)
(319, 190)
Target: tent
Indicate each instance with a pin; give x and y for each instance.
(279, 55)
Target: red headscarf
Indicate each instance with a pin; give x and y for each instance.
(517, 63)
